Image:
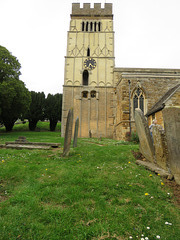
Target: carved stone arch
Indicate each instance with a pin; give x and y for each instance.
(138, 99)
(138, 85)
(101, 83)
(68, 82)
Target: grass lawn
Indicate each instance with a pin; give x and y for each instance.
(98, 192)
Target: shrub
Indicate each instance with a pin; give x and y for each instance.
(134, 137)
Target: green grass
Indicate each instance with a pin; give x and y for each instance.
(41, 126)
(98, 192)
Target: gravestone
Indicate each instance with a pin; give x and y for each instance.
(171, 117)
(76, 132)
(21, 139)
(146, 144)
(160, 144)
(68, 133)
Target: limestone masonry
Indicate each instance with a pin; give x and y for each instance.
(102, 96)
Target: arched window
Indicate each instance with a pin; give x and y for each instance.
(88, 52)
(83, 26)
(84, 94)
(91, 26)
(87, 26)
(138, 99)
(99, 26)
(93, 94)
(85, 77)
(95, 26)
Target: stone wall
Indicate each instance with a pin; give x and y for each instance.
(95, 114)
(88, 11)
(154, 83)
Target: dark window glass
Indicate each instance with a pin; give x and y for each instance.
(135, 102)
(82, 26)
(95, 26)
(84, 94)
(85, 77)
(88, 52)
(99, 26)
(91, 26)
(141, 103)
(87, 26)
(93, 94)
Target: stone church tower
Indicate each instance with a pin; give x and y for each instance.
(89, 64)
(102, 96)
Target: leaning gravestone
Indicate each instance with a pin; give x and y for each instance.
(160, 144)
(171, 117)
(68, 133)
(76, 132)
(146, 144)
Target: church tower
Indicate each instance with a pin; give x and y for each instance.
(89, 64)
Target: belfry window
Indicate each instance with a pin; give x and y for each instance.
(83, 26)
(85, 94)
(91, 26)
(93, 94)
(99, 26)
(88, 52)
(85, 77)
(87, 27)
(95, 26)
(138, 99)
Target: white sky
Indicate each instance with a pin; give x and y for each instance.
(147, 35)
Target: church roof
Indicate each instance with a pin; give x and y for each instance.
(161, 103)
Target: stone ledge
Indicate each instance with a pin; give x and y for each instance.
(154, 168)
(53, 145)
(23, 146)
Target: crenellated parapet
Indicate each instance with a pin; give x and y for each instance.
(88, 11)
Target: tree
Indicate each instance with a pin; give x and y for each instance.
(36, 110)
(14, 96)
(14, 102)
(9, 66)
(53, 109)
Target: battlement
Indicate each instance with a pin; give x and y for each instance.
(88, 11)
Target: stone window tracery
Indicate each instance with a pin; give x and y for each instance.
(91, 26)
(138, 100)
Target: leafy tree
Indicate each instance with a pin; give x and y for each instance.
(14, 96)
(9, 66)
(14, 102)
(36, 111)
(53, 108)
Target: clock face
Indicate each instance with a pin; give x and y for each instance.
(90, 63)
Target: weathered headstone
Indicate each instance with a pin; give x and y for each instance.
(21, 139)
(160, 144)
(171, 117)
(146, 144)
(68, 133)
(76, 132)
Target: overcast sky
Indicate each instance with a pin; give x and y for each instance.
(147, 35)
